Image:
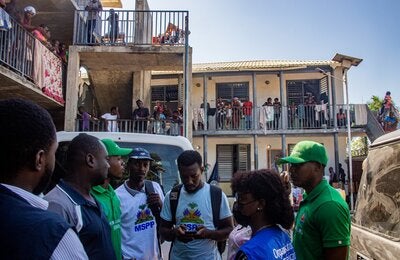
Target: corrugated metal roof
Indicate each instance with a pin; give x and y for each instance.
(256, 65)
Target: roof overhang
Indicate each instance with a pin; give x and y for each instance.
(346, 61)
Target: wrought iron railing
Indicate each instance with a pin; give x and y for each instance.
(23, 54)
(17, 49)
(150, 126)
(116, 27)
(269, 118)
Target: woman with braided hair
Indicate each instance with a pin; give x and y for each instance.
(262, 202)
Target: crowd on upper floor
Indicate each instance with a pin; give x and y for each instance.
(41, 32)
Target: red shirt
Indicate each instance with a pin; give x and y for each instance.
(247, 108)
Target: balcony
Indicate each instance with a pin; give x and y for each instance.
(150, 126)
(293, 119)
(299, 120)
(28, 69)
(116, 28)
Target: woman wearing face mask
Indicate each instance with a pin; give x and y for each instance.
(262, 202)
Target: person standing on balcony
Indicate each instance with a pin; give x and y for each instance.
(268, 108)
(140, 115)
(84, 119)
(111, 120)
(248, 113)
(310, 110)
(12, 10)
(236, 111)
(113, 20)
(341, 118)
(292, 115)
(277, 112)
(26, 20)
(333, 178)
(228, 121)
(342, 174)
(221, 113)
(93, 7)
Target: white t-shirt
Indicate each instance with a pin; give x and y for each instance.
(195, 209)
(138, 225)
(112, 126)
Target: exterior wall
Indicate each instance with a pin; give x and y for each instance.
(263, 91)
(275, 143)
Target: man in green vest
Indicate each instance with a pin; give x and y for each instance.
(105, 194)
(322, 226)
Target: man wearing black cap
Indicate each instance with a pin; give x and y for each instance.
(141, 202)
(140, 115)
(322, 226)
(105, 194)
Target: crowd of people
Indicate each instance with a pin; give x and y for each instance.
(41, 32)
(229, 115)
(85, 217)
(160, 121)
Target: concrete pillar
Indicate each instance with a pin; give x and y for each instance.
(205, 152)
(255, 152)
(254, 119)
(284, 114)
(71, 100)
(141, 88)
(187, 76)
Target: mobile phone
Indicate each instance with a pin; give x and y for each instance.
(190, 232)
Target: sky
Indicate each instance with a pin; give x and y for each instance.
(236, 30)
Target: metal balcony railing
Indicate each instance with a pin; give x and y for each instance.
(130, 27)
(17, 49)
(150, 126)
(23, 54)
(267, 118)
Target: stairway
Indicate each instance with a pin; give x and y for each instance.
(373, 127)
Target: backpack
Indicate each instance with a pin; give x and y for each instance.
(216, 196)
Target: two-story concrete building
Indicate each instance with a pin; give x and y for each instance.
(145, 54)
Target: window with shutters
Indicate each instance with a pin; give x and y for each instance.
(166, 95)
(227, 91)
(232, 158)
(298, 90)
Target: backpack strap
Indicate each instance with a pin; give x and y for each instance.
(216, 196)
(173, 201)
(149, 189)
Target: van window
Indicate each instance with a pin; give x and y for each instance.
(378, 205)
(163, 169)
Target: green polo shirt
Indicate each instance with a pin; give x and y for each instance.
(323, 221)
(112, 209)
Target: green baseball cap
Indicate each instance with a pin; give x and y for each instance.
(114, 150)
(306, 151)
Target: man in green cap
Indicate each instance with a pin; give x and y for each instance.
(322, 226)
(105, 194)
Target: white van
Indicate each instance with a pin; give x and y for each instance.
(163, 149)
(375, 232)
